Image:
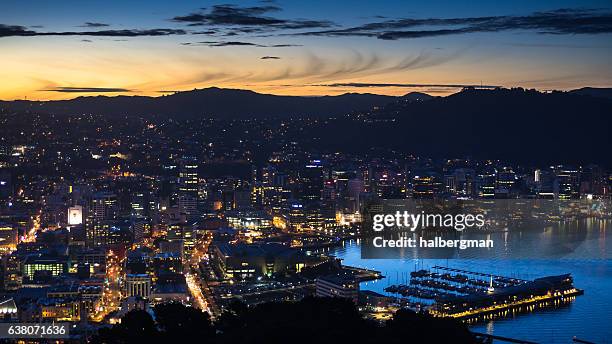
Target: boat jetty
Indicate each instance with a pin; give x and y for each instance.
(468, 295)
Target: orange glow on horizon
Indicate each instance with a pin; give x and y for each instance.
(156, 67)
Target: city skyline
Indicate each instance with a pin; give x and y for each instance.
(70, 49)
(266, 170)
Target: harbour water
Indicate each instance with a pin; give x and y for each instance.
(587, 317)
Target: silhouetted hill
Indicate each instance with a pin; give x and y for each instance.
(210, 102)
(594, 92)
(516, 125)
(509, 124)
(417, 96)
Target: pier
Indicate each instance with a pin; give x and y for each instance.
(469, 295)
(362, 274)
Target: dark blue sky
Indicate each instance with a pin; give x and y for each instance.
(291, 47)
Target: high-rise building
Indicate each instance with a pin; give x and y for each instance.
(505, 184)
(567, 182)
(593, 180)
(6, 187)
(8, 238)
(184, 234)
(102, 213)
(188, 186)
(426, 186)
(487, 180)
(311, 181)
(13, 278)
(75, 215)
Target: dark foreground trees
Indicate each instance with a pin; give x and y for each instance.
(312, 320)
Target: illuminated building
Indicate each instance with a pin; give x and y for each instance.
(389, 182)
(60, 309)
(567, 182)
(167, 262)
(75, 215)
(13, 278)
(171, 288)
(184, 234)
(34, 264)
(94, 258)
(8, 309)
(315, 219)
(343, 285)
(102, 212)
(242, 199)
(242, 261)
(138, 285)
(248, 219)
(545, 184)
(311, 181)
(8, 238)
(142, 229)
(138, 204)
(506, 180)
(463, 182)
(297, 215)
(354, 190)
(425, 186)
(593, 181)
(6, 187)
(487, 180)
(188, 186)
(136, 262)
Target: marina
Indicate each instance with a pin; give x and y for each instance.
(467, 295)
(553, 320)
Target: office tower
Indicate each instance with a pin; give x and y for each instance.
(184, 235)
(75, 215)
(487, 180)
(188, 186)
(141, 229)
(505, 183)
(567, 182)
(593, 180)
(545, 185)
(311, 181)
(6, 187)
(426, 186)
(352, 197)
(13, 277)
(450, 184)
(138, 204)
(8, 238)
(102, 213)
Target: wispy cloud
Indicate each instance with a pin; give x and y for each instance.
(86, 89)
(366, 85)
(270, 58)
(561, 21)
(238, 43)
(248, 17)
(22, 31)
(94, 25)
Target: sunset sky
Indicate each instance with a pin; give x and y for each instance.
(64, 49)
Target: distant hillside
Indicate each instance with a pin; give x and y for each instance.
(594, 92)
(518, 125)
(210, 102)
(417, 96)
